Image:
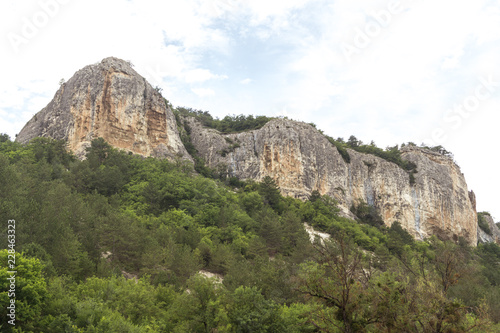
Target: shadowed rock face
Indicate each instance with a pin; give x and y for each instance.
(301, 160)
(109, 100)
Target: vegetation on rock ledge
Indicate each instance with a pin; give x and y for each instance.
(482, 223)
(229, 124)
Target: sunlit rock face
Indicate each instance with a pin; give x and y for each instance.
(301, 160)
(109, 100)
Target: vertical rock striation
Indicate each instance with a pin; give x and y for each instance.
(109, 100)
(301, 160)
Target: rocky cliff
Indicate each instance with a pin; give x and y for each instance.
(301, 160)
(109, 100)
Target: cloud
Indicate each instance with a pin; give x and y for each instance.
(246, 81)
(203, 92)
(202, 75)
(405, 67)
(164, 42)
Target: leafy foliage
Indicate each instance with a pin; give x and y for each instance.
(482, 223)
(229, 124)
(367, 214)
(391, 154)
(116, 243)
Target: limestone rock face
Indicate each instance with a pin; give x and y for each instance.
(440, 196)
(109, 100)
(301, 160)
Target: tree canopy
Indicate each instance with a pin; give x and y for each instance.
(122, 243)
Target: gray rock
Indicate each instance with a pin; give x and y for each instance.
(109, 100)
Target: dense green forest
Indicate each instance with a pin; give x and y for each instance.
(116, 243)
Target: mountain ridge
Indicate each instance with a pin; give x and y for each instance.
(111, 100)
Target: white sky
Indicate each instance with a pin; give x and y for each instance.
(383, 70)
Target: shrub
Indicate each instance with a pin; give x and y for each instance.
(481, 222)
(367, 214)
(229, 124)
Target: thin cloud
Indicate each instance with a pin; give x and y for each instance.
(203, 92)
(202, 75)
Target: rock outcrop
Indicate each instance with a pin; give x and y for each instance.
(301, 160)
(494, 236)
(109, 100)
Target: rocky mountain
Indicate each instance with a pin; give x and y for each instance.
(302, 160)
(111, 100)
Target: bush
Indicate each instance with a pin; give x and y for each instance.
(340, 148)
(481, 222)
(367, 214)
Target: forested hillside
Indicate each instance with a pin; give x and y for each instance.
(116, 243)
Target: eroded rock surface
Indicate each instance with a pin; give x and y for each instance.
(109, 100)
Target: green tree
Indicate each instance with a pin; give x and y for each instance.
(4, 137)
(26, 286)
(248, 311)
(353, 142)
(270, 192)
(367, 214)
(98, 151)
(199, 309)
(482, 223)
(337, 281)
(315, 195)
(398, 239)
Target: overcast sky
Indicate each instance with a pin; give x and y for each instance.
(388, 71)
